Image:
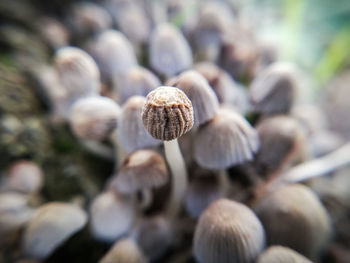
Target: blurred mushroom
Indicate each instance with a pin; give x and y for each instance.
(112, 216)
(124, 250)
(54, 32)
(195, 86)
(279, 254)
(168, 114)
(228, 231)
(293, 216)
(51, 225)
(169, 51)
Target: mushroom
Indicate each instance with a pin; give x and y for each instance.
(168, 114)
(112, 215)
(280, 254)
(51, 225)
(169, 51)
(228, 231)
(124, 250)
(293, 216)
(141, 171)
(195, 86)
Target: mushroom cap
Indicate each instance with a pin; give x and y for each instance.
(280, 254)
(51, 225)
(131, 131)
(78, 72)
(226, 140)
(205, 103)
(23, 176)
(140, 170)
(139, 81)
(124, 250)
(167, 113)
(169, 51)
(274, 90)
(293, 216)
(281, 140)
(94, 118)
(112, 215)
(228, 231)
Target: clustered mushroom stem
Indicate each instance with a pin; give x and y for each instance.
(320, 166)
(119, 152)
(147, 198)
(179, 175)
(224, 181)
(98, 148)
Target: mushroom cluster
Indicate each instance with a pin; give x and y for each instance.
(213, 154)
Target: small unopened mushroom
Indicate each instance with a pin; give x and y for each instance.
(228, 231)
(154, 236)
(293, 216)
(169, 51)
(51, 225)
(168, 114)
(131, 132)
(94, 118)
(139, 81)
(274, 90)
(195, 86)
(124, 250)
(280, 254)
(112, 216)
(228, 139)
(23, 176)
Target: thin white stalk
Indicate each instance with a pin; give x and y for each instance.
(98, 148)
(147, 198)
(119, 152)
(179, 176)
(320, 166)
(224, 181)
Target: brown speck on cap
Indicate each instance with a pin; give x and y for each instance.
(167, 113)
(141, 170)
(228, 232)
(280, 254)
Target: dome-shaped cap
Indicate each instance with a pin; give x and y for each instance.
(226, 140)
(280, 254)
(169, 51)
(293, 216)
(140, 170)
(51, 225)
(228, 232)
(167, 113)
(94, 118)
(131, 131)
(195, 86)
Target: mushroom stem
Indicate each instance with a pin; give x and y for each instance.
(224, 181)
(147, 199)
(119, 152)
(320, 166)
(98, 148)
(179, 175)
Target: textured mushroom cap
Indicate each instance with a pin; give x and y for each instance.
(205, 103)
(279, 254)
(114, 53)
(139, 81)
(167, 113)
(94, 118)
(274, 90)
(124, 251)
(140, 170)
(154, 236)
(23, 176)
(51, 225)
(169, 51)
(228, 231)
(131, 131)
(226, 140)
(293, 216)
(112, 216)
(78, 72)
(203, 189)
(281, 140)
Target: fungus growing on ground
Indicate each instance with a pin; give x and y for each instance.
(168, 114)
(228, 232)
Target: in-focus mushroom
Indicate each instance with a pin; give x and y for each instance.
(168, 114)
(51, 225)
(228, 232)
